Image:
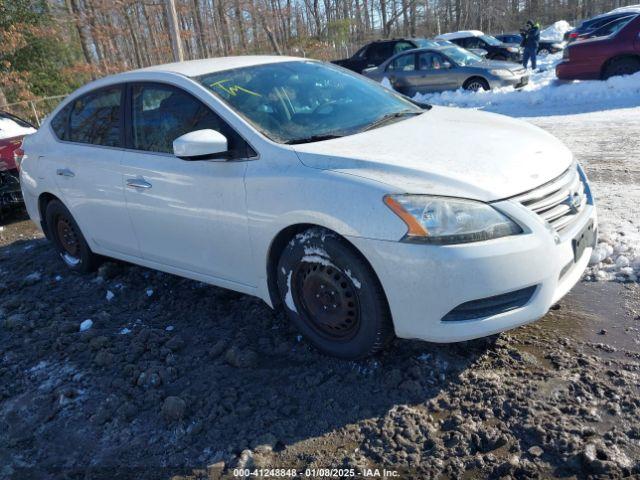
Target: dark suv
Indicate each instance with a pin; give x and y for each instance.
(374, 53)
(474, 40)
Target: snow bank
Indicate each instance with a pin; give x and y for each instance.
(546, 95)
(555, 31)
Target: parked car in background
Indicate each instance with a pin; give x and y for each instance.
(427, 70)
(603, 57)
(545, 47)
(608, 28)
(374, 53)
(475, 39)
(357, 211)
(592, 24)
(12, 132)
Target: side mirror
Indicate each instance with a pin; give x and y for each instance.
(446, 65)
(201, 145)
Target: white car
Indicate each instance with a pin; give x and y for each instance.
(360, 213)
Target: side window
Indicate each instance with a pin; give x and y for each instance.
(60, 122)
(473, 42)
(379, 52)
(404, 63)
(431, 61)
(401, 47)
(362, 53)
(95, 118)
(162, 113)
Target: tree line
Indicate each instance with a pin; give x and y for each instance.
(49, 47)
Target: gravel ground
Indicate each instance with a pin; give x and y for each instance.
(131, 373)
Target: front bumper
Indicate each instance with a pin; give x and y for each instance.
(571, 70)
(423, 283)
(513, 81)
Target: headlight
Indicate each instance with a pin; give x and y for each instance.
(513, 49)
(502, 72)
(446, 221)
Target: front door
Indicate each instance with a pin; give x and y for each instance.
(187, 214)
(434, 73)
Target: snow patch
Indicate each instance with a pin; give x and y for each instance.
(288, 298)
(555, 31)
(317, 259)
(109, 296)
(355, 281)
(10, 129)
(149, 292)
(86, 325)
(125, 331)
(169, 328)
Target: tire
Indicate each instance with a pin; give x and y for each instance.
(621, 66)
(333, 296)
(543, 52)
(68, 239)
(474, 84)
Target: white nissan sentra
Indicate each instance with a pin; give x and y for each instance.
(360, 213)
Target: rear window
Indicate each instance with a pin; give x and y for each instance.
(95, 118)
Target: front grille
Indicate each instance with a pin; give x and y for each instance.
(560, 201)
(488, 307)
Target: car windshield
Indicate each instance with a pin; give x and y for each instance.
(462, 57)
(491, 40)
(305, 101)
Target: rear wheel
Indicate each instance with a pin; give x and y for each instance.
(621, 66)
(331, 294)
(68, 239)
(476, 84)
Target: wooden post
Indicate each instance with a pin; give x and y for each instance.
(174, 32)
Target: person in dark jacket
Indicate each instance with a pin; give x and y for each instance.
(530, 43)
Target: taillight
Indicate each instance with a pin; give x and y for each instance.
(573, 35)
(18, 156)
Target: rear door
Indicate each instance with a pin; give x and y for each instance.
(87, 171)
(187, 214)
(401, 73)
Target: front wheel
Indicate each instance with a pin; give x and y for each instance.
(476, 84)
(332, 295)
(543, 52)
(68, 239)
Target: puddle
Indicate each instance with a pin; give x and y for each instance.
(598, 312)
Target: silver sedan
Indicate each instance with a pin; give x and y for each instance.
(428, 70)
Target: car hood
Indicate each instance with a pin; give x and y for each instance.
(499, 64)
(447, 151)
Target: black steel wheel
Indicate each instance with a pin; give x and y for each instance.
(68, 239)
(332, 295)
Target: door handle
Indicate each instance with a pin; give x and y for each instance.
(138, 183)
(65, 172)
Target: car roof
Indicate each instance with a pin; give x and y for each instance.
(460, 34)
(628, 8)
(194, 68)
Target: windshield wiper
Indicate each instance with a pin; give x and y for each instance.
(313, 138)
(388, 117)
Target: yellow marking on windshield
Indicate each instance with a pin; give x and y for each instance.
(233, 89)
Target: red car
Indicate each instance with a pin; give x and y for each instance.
(12, 131)
(617, 53)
